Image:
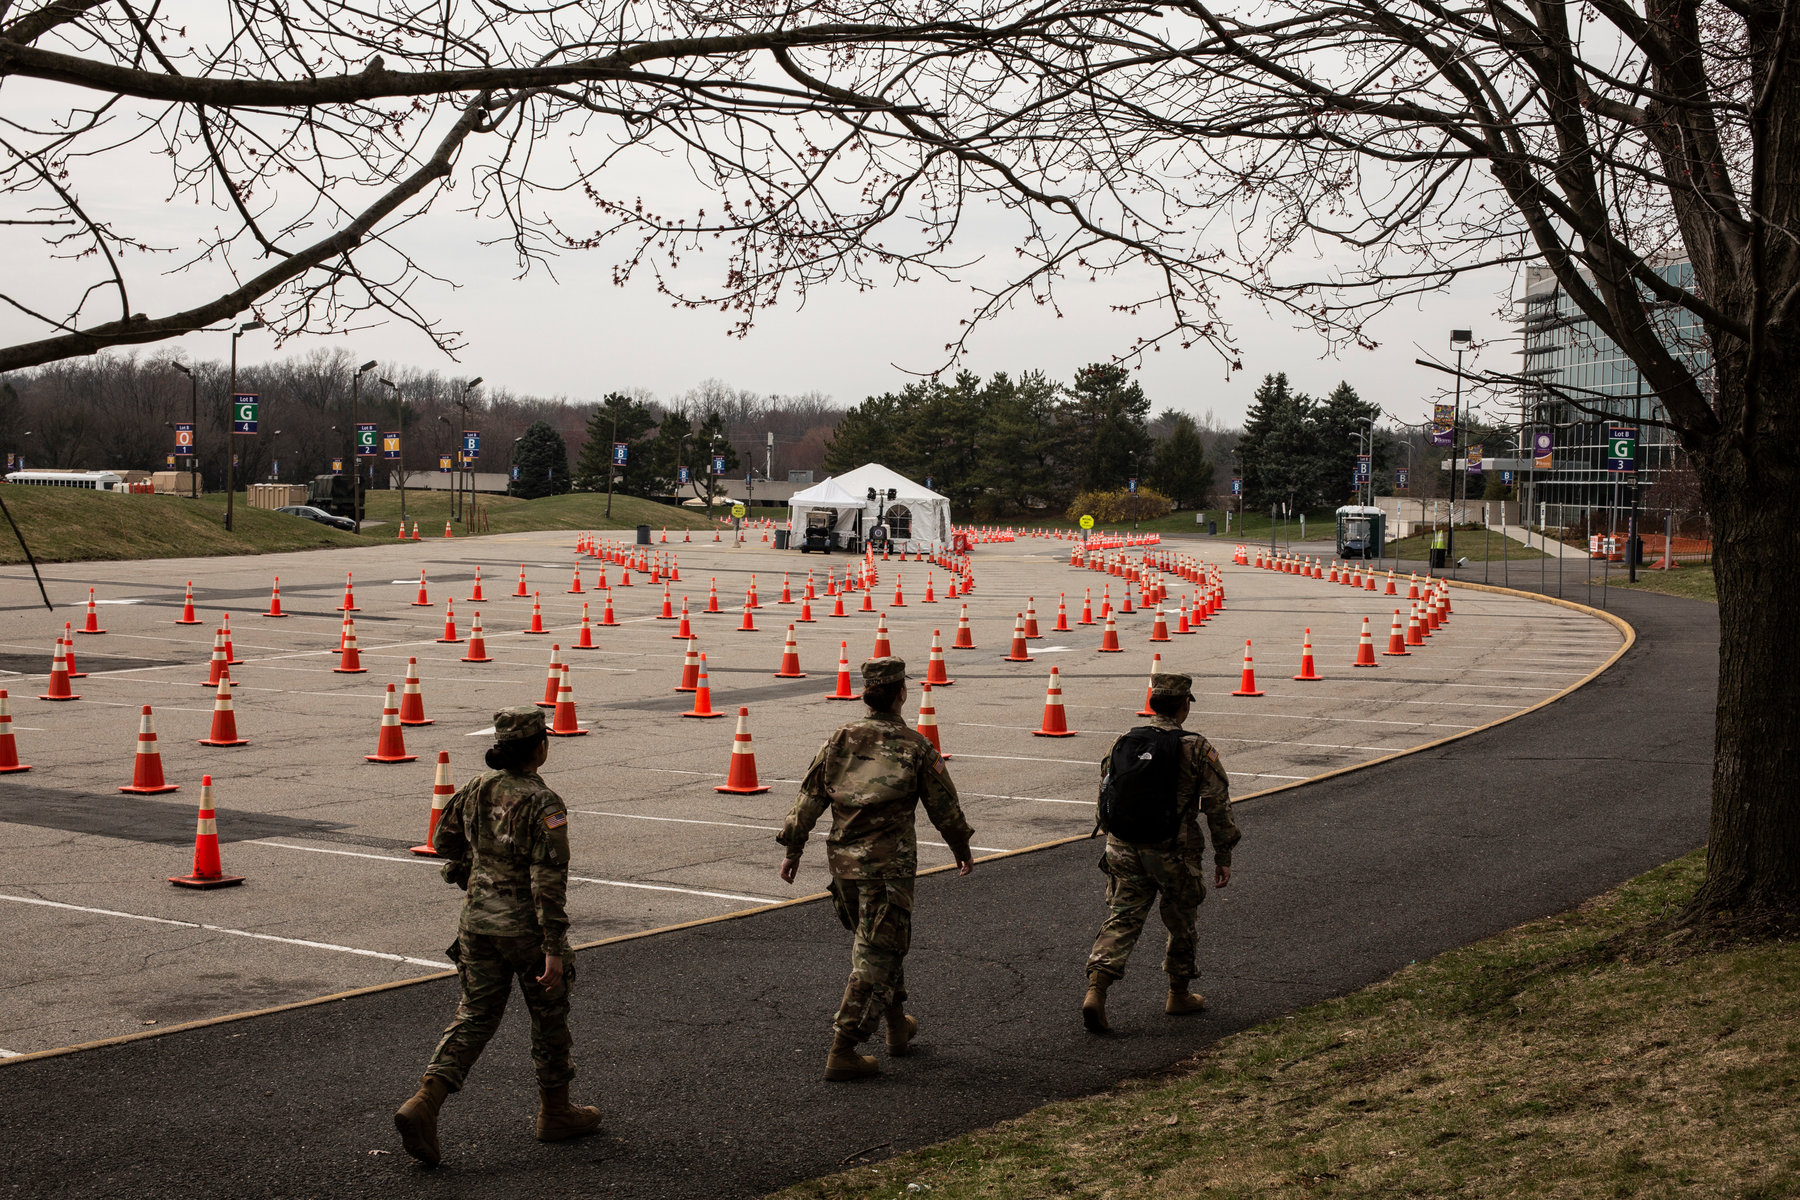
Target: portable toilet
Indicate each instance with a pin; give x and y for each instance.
(1361, 531)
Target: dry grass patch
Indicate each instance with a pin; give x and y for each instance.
(1595, 1053)
(1694, 581)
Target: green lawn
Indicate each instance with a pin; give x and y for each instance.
(1596, 1053)
(68, 525)
(1255, 527)
(1476, 545)
(1693, 580)
(508, 514)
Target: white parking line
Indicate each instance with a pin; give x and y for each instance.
(243, 933)
(663, 887)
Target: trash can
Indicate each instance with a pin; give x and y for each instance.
(781, 539)
(643, 535)
(1212, 527)
(1439, 558)
(1634, 550)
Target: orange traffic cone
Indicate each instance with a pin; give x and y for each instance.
(552, 677)
(93, 617)
(537, 616)
(1390, 585)
(607, 618)
(562, 720)
(702, 695)
(208, 871)
(790, 659)
(415, 532)
(422, 601)
(349, 604)
(1412, 586)
(787, 597)
(477, 643)
(740, 778)
(412, 699)
(868, 603)
(1055, 723)
(585, 639)
(883, 649)
(1109, 639)
(1155, 667)
(935, 672)
(275, 600)
(441, 791)
(1017, 651)
(231, 658)
(1087, 607)
(899, 600)
(1159, 632)
(349, 660)
(1415, 633)
(449, 638)
(838, 611)
(690, 668)
(1062, 614)
(187, 608)
(844, 691)
(930, 590)
(1307, 673)
(712, 596)
(964, 640)
(146, 768)
(224, 720)
(1365, 648)
(475, 596)
(928, 726)
(1396, 640)
(522, 591)
(668, 606)
(59, 676)
(447, 532)
(390, 746)
(748, 625)
(1031, 625)
(218, 668)
(806, 617)
(575, 587)
(9, 749)
(1247, 685)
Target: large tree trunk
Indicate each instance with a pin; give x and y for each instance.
(1752, 487)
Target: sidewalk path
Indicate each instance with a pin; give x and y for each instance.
(705, 1045)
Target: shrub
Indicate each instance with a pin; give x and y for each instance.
(1119, 505)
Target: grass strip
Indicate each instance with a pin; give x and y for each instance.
(1692, 580)
(509, 514)
(1599, 1052)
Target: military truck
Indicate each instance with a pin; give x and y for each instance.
(333, 493)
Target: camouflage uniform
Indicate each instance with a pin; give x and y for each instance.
(871, 774)
(1173, 870)
(507, 839)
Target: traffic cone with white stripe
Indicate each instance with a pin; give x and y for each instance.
(668, 606)
(447, 532)
(1390, 585)
(575, 587)
(702, 695)
(92, 625)
(562, 720)
(423, 601)
(187, 616)
(838, 611)
(1415, 635)
(964, 640)
(146, 769)
(349, 604)
(349, 660)
(537, 616)
(1055, 722)
(390, 746)
(9, 749)
(449, 638)
(231, 658)
(1412, 586)
(935, 671)
(441, 791)
(1307, 673)
(208, 871)
(748, 624)
(899, 600)
(868, 603)
(552, 676)
(883, 648)
(1247, 685)
(1159, 632)
(412, 698)
(585, 639)
(1087, 607)
(790, 659)
(477, 643)
(1396, 639)
(844, 691)
(1365, 648)
(1109, 639)
(1017, 652)
(475, 596)
(806, 617)
(787, 596)
(275, 600)
(59, 676)
(1062, 614)
(522, 591)
(928, 726)
(930, 589)
(712, 595)
(224, 720)
(685, 630)
(740, 778)
(690, 667)
(1031, 624)
(606, 616)
(750, 593)
(218, 668)
(1155, 667)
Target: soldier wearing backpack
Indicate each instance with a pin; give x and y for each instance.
(1154, 785)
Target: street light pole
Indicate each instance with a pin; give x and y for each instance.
(611, 450)
(231, 422)
(356, 509)
(400, 432)
(1459, 341)
(193, 430)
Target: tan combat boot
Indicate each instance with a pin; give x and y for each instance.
(417, 1119)
(1181, 1001)
(559, 1120)
(844, 1063)
(901, 1029)
(1093, 1005)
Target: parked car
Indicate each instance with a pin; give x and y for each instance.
(319, 515)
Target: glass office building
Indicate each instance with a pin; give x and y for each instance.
(1567, 357)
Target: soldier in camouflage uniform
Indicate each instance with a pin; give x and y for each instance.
(872, 774)
(505, 835)
(1174, 870)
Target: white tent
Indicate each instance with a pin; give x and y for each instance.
(916, 516)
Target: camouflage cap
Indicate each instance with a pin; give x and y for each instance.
(1172, 684)
(519, 723)
(883, 670)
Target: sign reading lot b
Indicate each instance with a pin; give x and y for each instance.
(243, 412)
(1621, 448)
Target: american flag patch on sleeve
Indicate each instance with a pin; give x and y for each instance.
(556, 820)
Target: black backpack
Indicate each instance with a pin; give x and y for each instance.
(1138, 803)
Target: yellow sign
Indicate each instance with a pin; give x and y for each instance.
(1086, 521)
(737, 510)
